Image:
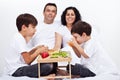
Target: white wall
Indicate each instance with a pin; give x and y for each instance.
(103, 15)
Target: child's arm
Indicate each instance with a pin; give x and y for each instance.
(29, 57)
(77, 48)
(74, 48)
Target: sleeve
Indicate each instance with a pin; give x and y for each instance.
(20, 45)
(90, 48)
(60, 30)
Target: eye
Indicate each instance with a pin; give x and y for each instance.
(75, 37)
(54, 11)
(47, 10)
(73, 14)
(67, 14)
(33, 26)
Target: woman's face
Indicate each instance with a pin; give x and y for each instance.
(70, 16)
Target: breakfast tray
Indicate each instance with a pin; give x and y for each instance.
(50, 60)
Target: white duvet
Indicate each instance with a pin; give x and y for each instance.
(100, 77)
(107, 76)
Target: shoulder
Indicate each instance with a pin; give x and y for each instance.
(57, 23)
(90, 45)
(91, 42)
(17, 38)
(40, 25)
(64, 28)
(93, 45)
(61, 28)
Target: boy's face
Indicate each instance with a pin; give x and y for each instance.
(30, 30)
(78, 38)
(50, 13)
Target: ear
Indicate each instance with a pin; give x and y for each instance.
(43, 13)
(84, 34)
(23, 27)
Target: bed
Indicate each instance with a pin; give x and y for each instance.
(100, 77)
(107, 76)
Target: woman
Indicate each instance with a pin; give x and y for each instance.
(69, 16)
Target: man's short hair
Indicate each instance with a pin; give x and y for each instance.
(50, 4)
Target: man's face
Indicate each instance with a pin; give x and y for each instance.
(49, 14)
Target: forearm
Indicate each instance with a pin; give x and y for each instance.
(39, 49)
(32, 51)
(58, 41)
(33, 56)
(76, 52)
(80, 51)
(29, 58)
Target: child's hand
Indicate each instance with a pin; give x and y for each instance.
(42, 49)
(72, 42)
(40, 46)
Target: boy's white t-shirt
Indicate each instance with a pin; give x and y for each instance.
(98, 62)
(45, 34)
(13, 57)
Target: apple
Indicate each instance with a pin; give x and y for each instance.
(44, 54)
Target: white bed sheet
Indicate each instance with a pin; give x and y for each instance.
(5, 77)
(100, 77)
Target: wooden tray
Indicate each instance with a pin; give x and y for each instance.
(49, 59)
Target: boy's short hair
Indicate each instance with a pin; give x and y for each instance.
(25, 19)
(50, 4)
(80, 27)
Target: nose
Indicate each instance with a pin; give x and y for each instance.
(70, 15)
(50, 13)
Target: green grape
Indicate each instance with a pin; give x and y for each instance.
(60, 53)
(54, 56)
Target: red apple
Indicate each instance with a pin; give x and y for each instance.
(45, 54)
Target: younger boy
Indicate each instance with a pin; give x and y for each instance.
(20, 55)
(94, 60)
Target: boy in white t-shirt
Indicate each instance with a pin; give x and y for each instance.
(94, 60)
(21, 55)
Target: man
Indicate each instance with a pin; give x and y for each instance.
(47, 31)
